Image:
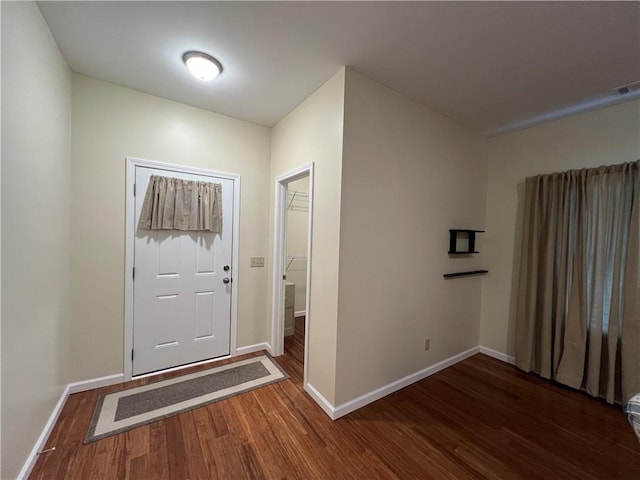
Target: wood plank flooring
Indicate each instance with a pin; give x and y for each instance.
(480, 419)
(294, 348)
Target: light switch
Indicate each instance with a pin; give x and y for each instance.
(257, 261)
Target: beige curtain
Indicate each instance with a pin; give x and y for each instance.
(578, 312)
(175, 204)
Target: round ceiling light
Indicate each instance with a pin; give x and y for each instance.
(204, 67)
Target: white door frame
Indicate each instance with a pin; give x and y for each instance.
(130, 229)
(279, 247)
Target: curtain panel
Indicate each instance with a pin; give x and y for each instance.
(578, 310)
(187, 205)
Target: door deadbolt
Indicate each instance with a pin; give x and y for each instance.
(226, 268)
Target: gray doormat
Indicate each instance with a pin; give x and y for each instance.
(121, 411)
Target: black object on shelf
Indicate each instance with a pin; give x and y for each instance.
(463, 274)
(471, 241)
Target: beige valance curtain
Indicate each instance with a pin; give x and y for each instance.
(578, 312)
(176, 204)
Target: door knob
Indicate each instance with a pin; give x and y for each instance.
(226, 280)
(226, 268)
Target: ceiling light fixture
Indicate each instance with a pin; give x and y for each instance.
(204, 67)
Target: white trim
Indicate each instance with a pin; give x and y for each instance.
(44, 436)
(341, 410)
(258, 347)
(311, 170)
(378, 393)
(300, 313)
(77, 387)
(131, 164)
(498, 355)
(235, 258)
(277, 301)
(71, 388)
(128, 266)
(280, 220)
(325, 404)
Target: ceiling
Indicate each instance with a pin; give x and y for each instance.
(490, 66)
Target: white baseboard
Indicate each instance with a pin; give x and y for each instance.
(44, 436)
(352, 405)
(498, 355)
(85, 385)
(253, 348)
(378, 393)
(300, 313)
(71, 388)
(328, 408)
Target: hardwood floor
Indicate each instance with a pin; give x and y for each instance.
(480, 419)
(294, 350)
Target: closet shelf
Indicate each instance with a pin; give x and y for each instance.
(297, 200)
(294, 258)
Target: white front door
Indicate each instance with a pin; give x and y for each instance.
(182, 301)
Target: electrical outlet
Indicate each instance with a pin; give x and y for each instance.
(427, 343)
(257, 261)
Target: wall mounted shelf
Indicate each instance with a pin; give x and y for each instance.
(471, 241)
(470, 236)
(464, 274)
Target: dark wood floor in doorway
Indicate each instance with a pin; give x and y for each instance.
(480, 419)
(294, 350)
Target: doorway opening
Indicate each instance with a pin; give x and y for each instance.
(292, 268)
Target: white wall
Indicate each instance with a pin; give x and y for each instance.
(600, 137)
(36, 134)
(297, 235)
(313, 133)
(109, 124)
(409, 174)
